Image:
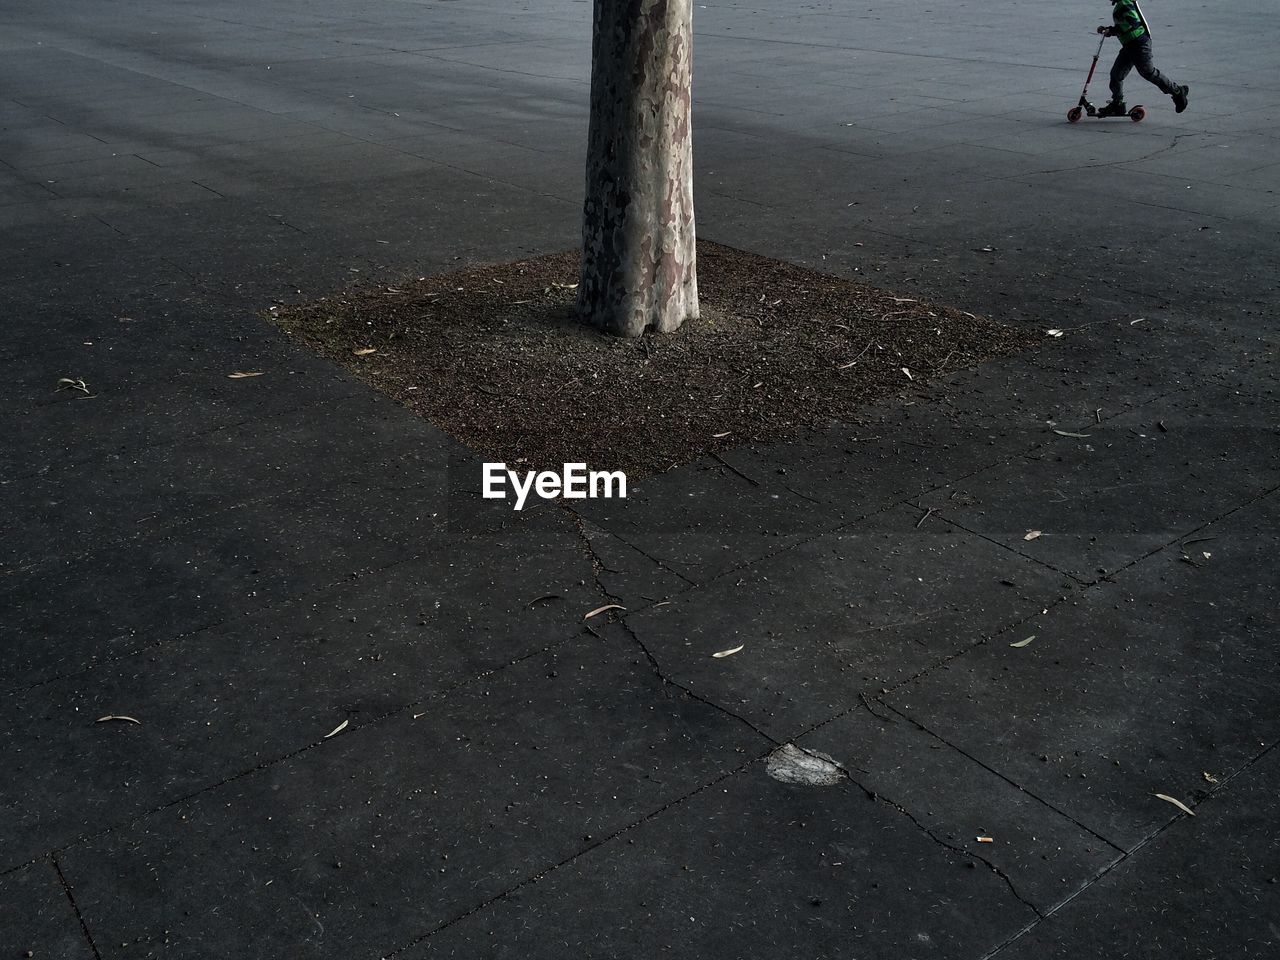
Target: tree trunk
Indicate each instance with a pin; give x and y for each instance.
(637, 233)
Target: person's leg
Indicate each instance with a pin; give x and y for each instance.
(1119, 70)
(1145, 62)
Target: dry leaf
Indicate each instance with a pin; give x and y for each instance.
(728, 653)
(240, 375)
(986, 840)
(599, 610)
(337, 730)
(66, 383)
(1068, 433)
(720, 436)
(1177, 803)
(1031, 535)
(1054, 333)
(365, 351)
(908, 373)
(1023, 643)
(112, 716)
(544, 597)
(1209, 777)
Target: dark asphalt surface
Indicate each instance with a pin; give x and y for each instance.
(244, 565)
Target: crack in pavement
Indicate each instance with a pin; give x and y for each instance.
(875, 795)
(777, 743)
(1098, 164)
(598, 565)
(66, 888)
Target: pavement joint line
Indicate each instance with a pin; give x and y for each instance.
(486, 68)
(751, 480)
(909, 500)
(288, 601)
(107, 225)
(925, 671)
(1034, 796)
(897, 53)
(1080, 581)
(1153, 835)
(212, 625)
(721, 778)
(373, 722)
(985, 639)
(488, 178)
(136, 69)
(29, 566)
(1189, 533)
(1044, 445)
(205, 186)
(777, 743)
(66, 888)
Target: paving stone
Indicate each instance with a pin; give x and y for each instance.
(139, 493)
(36, 918)
(256, 688)
(1161, 901)
(704, 520)
(1185, 646)
(1193, 456)
(854, 611)
(380, 834)
(824, 136)
(1044, 855)
(708, 878)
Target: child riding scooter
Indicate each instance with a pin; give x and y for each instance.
(1130, 26)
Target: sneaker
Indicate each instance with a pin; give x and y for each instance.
(1115, 108)
(1180, 98)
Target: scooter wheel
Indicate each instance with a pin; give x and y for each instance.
(1137, 114)
(1074, 114)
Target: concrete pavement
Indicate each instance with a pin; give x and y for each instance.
(245, 565)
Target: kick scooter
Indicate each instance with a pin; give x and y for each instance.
(1084, 106)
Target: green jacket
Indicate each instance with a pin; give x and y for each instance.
(1130, 23)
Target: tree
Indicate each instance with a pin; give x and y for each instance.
(638, 262)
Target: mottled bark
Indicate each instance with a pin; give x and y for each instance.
(638, 269)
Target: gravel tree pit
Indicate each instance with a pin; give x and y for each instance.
(494, 356)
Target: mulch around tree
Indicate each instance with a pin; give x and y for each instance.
(493, 356)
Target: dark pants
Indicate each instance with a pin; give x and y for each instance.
(1137, 53)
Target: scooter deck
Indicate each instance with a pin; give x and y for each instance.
(1137, 113)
